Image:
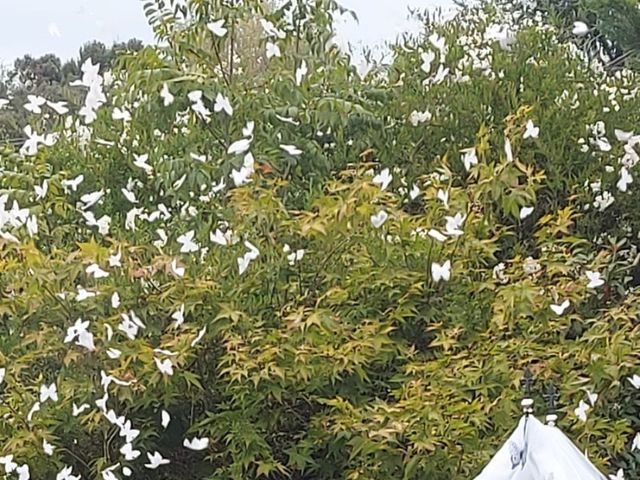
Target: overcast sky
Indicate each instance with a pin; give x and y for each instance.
(62, 26)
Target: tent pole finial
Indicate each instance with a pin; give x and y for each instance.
(551, 396)
(527, 382)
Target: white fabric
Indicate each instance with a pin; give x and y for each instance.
(539, 452)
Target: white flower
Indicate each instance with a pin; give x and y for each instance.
(531, 131)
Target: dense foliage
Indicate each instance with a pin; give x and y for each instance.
(320, 270)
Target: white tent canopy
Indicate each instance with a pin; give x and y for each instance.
(535, 451)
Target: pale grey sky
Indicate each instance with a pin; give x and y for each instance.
(62, 26)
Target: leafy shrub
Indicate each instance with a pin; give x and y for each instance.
(349, 300)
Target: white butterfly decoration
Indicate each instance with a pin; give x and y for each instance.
(130, 325)
(293, 257)
(273, 50)
(635, 381)
(592, 397)
(559, 309)
(59, 107)
(507, 150)
(427, 59)
(113, 353)
(291, 150)
(414, 192)
(580, 29)
(441, 272)
(240, 146)
(35, 103)
(223, 104)
(443, 196)
(383, 179)
(129, 452)
(248, 257)
(226, 238)
(3, 372)
(88, 200)
(199, 336)
(453, 226)
(127, 431)
(187, 243)
(47, 447)
(379, 218)
(625, 179)
(618, 476)
(78, 410)
(165, 94)
(48, 392)
(66, 474)
(243, 176)
(525, 212)
(23, 472)
(84, 294)
(531, 131)
(217, 27)
(155, 460)
(41, 190)
(271, 30)
(436, 235)
(636, 442)
(115, 260)
(622, 136)
(72, 184)
(178, 316)
(115, 300)
(301, 72)
(34, 409)
(581, 410)
(594, 279)
(175, 269)
(416, 117)
(96, 272)
(165, 366)
(196, 443)
(121, 114)
(165, 419)
(141, 161)
(470, 158)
